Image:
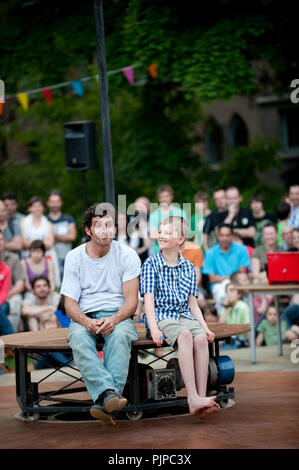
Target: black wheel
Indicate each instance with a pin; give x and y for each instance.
(134, 415)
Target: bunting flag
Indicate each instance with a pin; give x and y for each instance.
(1, 108)
(47, 94)
(153, 71)
(129, 74)
(23, 100)
(78, 87)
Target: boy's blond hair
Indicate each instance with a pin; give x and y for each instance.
(178, 223)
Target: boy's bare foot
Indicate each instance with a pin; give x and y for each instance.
(198, 405)
(203, 414)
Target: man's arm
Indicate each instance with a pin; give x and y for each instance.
(68, 237)
(248, 232)
(74, 312)
(15, 244)
(18, 288)
(37, 310)
(214, 278)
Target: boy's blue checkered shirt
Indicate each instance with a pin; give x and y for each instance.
(171, 286)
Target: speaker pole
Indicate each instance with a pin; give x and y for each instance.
(104, 103)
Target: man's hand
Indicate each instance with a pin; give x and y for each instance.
(106, 325)
(92, 325)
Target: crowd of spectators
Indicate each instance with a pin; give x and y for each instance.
(228, 247)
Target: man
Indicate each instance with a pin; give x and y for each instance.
(17, 285)
(223, 260)
(214, 219)
(166, 208)
(294, 200)
(202, 211)
(40, 302)
(14, 216)
(260, 217)
(100, 285)
(13, 240)
(239, 218)
(287, 237)
(64, 228)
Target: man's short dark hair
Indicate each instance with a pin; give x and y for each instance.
(270, 224)
(40, 278)
(283, 210)
(256, 197)
(97, 210)
(9, 195)
(226, 226)
(54, 192)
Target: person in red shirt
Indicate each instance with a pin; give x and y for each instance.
(5, 282)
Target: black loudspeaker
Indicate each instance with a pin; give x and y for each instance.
(80, 145)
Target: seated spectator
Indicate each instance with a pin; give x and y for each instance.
(38, 264)
(223, 260)
(287, 238)
(294, 202)
(260, 302)
(210, 314)
(39, 302)
(296, 239)
(36, 226)
(202, 211)
(5, 282)
(193, 253)
(52, 359)
(267, 330)
(259, 256)
(64, 228)
(214, 219)
(17, 286)
(260, 217)
(235, 310)
(14, 216)
(283, 212)
(239, 218)
(166, 208)
(13, 240)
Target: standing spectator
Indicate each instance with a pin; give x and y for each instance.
(5, 282)
(17, 286)
(36, 226)
(283, 212)
(14, 216)
(259, 256)
(260, 217)
(223, 260)
(240, 219)
(287, 237)
(64, 228)
(39, 302)
(13, 241)
(166, 208)
(202, 211)
(215, 219)
(37, 264)
(294, 200)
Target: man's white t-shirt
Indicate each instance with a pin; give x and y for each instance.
(96, 284)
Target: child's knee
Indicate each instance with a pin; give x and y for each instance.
(201, 340)
(185, 335)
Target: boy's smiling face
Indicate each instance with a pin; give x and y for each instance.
(169, 238)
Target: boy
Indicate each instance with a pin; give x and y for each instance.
(168, 284)
(235, 311)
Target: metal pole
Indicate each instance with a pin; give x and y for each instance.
(104, 103)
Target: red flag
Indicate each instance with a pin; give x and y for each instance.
(47, 94)
(1, 108)
(153, 71)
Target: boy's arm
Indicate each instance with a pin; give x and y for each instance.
(196, 312)
(259, 339)
(149, 308)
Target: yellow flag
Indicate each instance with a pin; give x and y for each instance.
(23, 100)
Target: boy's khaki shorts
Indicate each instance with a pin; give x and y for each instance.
(171, 329)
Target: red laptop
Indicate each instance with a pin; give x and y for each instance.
(283, 268)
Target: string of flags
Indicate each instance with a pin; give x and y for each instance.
(77, 85)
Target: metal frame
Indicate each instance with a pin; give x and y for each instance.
(30, 398)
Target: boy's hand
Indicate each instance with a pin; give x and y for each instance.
(210, 336)
(157, 336)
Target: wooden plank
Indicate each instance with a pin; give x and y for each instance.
(269, 288)
(58, 338)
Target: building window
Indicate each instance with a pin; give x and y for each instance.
(238, 134)
(290, 129)
(214, 142)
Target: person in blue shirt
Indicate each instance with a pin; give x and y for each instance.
(168, 284)
(222, 260)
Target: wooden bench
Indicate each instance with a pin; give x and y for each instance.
(31, 399)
